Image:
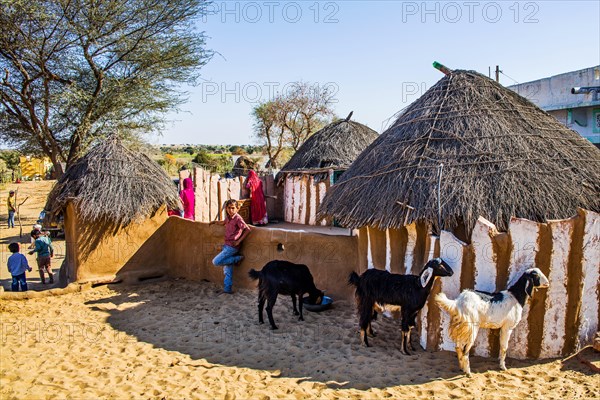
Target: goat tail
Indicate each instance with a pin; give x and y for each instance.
(446, 304)
(254, 274)
(353, 279)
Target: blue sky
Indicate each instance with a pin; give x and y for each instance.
(376, 55)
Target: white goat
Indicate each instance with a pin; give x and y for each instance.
(473, 310)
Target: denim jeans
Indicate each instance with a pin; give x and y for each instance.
(226, 258)
(11, 219)
(19, 280)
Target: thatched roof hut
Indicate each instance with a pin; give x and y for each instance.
(113, 185)
(492, 152)
(335, 147)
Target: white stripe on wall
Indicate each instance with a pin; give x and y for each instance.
(451, 251)
(369, 253)
(388, 251)
(485, 272)
(322, 192)
(312, 220)
(287, 199)
(591, 276)
(553, 338)
(524, 237)
(302, 200)
(410, 248)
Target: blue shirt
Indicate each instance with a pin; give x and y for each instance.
(43, 246)
(17, 264)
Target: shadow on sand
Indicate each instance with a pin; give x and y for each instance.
(190, 318)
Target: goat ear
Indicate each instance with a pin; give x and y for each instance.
(529, 287)
(426, 276)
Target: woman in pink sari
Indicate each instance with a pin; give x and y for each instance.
(188, 199)
(258, 207)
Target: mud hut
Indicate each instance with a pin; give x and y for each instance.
(468, 160)
(468, 148)
(113, 200)
(319, 163)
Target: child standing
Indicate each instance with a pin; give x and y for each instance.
(45, 252)
(17, 265)
(236, 231)
(12, 208)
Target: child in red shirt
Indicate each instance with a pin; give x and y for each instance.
(236, 231)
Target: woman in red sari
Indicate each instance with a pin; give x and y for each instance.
(258, 206)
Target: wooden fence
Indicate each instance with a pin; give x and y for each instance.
(212, 191)
(302, 197)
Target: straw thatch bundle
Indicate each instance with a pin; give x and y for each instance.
(335, 146)
(502, 156)
(242, 165)
(112, 184)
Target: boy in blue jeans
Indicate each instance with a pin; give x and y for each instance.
(236, 231)
(17, 265)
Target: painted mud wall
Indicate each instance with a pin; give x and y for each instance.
(302, 197)
(556, 321)
(329, 258)
(103, 253)
(176, 247)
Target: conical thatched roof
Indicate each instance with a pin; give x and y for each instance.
(112, 184)
(502, 156)
(335, 146)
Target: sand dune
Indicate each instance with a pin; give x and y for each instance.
(179, 339)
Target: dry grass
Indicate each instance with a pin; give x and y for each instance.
(335, 146)
(112, 184)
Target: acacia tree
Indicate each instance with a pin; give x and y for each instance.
(75, 70)
(309, 108)
(269, 130)
(292, 117)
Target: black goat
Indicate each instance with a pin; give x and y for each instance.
(284, 277)
(377, 290)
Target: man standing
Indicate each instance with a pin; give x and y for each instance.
(12, 208)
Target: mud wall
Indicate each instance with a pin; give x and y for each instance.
(555, 322)
(102, 252)
(329, 258)
(302, 197)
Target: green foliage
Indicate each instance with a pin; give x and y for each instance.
(202, 158)
(219, 163)
(10, 158)
(76, 70)
(237, 151)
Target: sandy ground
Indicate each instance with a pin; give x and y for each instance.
(34, 195)
(180, 340)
